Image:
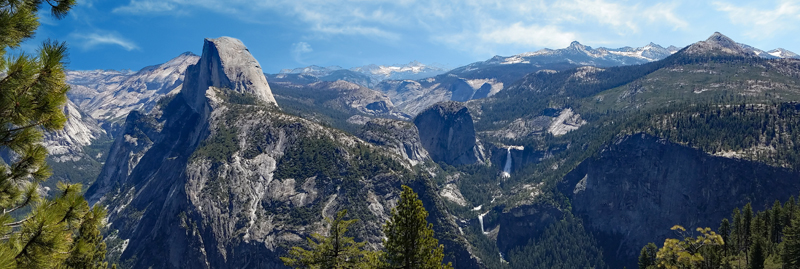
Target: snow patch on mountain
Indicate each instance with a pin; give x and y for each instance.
(783, 53)
(376, 73)
(584, 55)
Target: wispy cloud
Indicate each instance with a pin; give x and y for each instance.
(469, 25)
(785, 15)
(665, 12)
(93, 40)
(532, 35)
(145, 7)
(299, 49)
(622, 17)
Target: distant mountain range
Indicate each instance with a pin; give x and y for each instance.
(101, 99)
(482, 79)
(367, 76)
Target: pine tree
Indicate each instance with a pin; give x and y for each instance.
(757, 255)
(89, 250)
(647, 257)
(790, 209)
(334, 251)
(736, 236)
(32, 96)
(777, 222)
(409, 242)
(725, 232)
(791, 248)
(747, 222)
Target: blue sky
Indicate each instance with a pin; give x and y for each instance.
(131, 34)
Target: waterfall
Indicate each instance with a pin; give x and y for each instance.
(507, 168)
(480, 219)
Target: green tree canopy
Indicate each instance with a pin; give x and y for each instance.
(334, 251)
(647, 257)
(791, 248)
(409, 242)
(62, 232)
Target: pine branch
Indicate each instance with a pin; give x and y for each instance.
(18, 223)
(3, 133)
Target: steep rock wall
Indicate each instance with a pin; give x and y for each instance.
(448, 134)
(634, 190)
(228, 181)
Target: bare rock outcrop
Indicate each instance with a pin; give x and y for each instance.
(225, 63)
(719, 44)
(402, 137)
(448, 134)
(109, 95)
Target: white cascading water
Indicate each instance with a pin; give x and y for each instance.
(480, 219)
(507, 168)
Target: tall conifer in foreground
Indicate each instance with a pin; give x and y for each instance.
(32, 97)
(334, 251)
(409, 242)
(791, 248)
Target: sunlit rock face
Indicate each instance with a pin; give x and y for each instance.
(227, 64)
(197, 183)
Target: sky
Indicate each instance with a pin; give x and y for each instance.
(132, 34)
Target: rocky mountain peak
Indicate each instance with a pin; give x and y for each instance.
(673, 49)
(575, 45)
(225, 63)
(719, 43)
(719, 37)
(188, 53)
(783, 53)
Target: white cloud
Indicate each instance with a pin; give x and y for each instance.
(663, 12)
(613, 14)
(763, 22)
(623, 17)
(90, 41)
(531, 35)
(478, 24)
(145, 7)
(356, 30)
(300, 48)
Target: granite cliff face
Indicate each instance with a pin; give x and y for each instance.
(448, 134)
(76, 152)
(109, 95)
(220, 178)
(640, 186)
(521, 224)
(400, 136)
(226, 64)
(79, 131)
